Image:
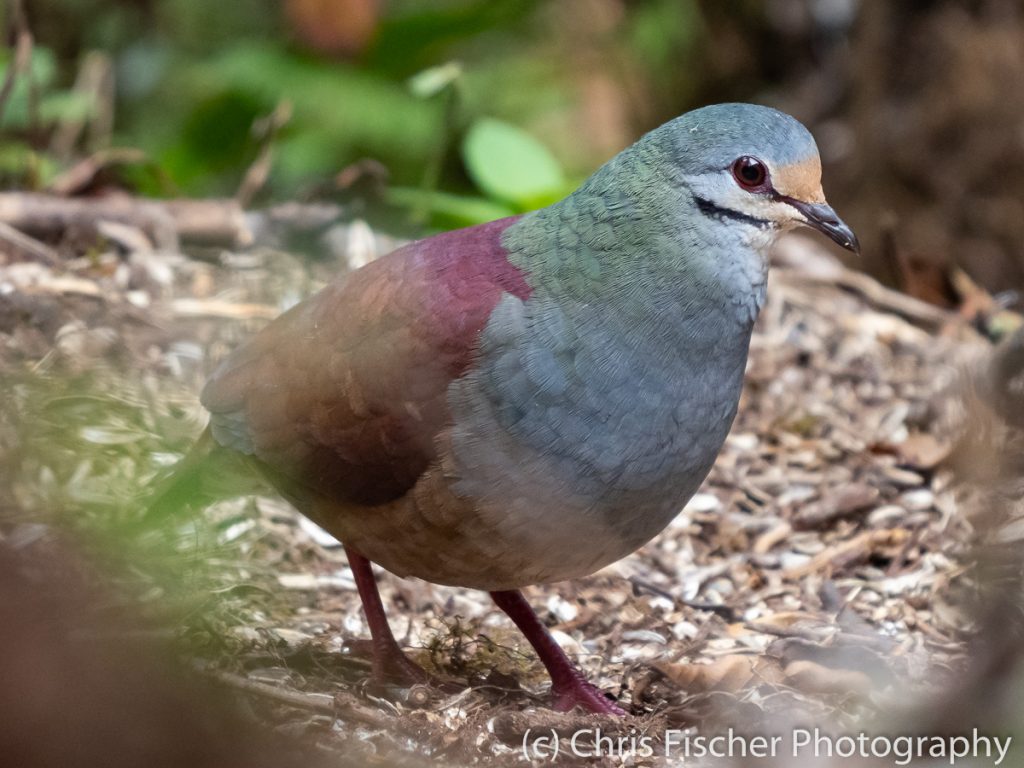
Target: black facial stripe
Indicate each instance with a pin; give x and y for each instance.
(709, 208)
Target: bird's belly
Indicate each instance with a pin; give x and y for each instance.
(546, 475)
(439, 534)
(497, 511)
(560, 519)
(579, 482)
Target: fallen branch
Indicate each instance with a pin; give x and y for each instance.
(341, 705)
(880, 297)
(212, 222)
(315, 702)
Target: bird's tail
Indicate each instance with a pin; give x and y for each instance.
(208, 473)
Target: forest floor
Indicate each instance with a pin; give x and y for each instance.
(824, 574)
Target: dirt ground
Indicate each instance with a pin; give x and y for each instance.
(826, 572)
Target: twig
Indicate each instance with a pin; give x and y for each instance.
(450, 93)
(223, 309)
(846, 502)
(341, 705)
(848, 552)
(82, 173)
(95, 82)
(879, 296)
(25, 248)
(802, 633)
(724, 611)
(267, 130)
(316, 702)
(510, 727)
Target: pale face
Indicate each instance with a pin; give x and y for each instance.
(772, 199)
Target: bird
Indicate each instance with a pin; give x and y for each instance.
(531, 399)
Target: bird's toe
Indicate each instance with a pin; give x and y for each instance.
(580, 693)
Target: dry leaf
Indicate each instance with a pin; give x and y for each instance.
(923, 451)
(730, 673)
(814, 678)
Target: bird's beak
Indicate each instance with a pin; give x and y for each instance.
(825, 220)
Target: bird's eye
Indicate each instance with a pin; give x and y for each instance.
(750, 173)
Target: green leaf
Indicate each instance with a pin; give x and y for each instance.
(23, 166)
(446, 210)
(15, 157)
(508, 164)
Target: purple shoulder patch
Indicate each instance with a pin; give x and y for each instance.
(475, 255)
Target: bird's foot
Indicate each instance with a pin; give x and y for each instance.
(394, 667)
(578, 692)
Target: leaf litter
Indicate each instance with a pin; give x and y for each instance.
(827, 571)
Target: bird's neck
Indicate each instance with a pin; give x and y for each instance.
(636, 242)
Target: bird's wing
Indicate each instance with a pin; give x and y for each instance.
(343, 395)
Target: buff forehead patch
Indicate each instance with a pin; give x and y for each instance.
(801, 181)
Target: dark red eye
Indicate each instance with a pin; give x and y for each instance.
(750, 172)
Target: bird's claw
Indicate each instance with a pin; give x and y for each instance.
(580, 693)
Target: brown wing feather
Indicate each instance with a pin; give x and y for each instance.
(343, 395)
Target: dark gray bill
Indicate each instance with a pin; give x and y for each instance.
(824, 219)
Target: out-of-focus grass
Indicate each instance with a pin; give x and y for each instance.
(81, 453)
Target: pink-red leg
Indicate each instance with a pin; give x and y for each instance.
(390, 664)
(568, 686)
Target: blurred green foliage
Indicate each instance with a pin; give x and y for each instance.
(35, 103)
(510, 165)
(360, 79)
(53, 104)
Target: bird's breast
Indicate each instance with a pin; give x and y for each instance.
(575, 423)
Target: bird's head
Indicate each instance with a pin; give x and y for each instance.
(753, 166)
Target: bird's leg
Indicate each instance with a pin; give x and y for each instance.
(390, 664)
(568, 686)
